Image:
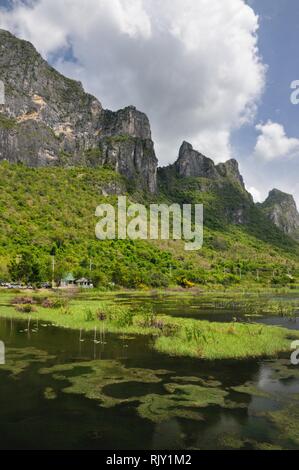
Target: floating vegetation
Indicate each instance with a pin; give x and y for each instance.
(249, 388)
(183, 401)
(18, 360)
(230, 441)
(284, 370)
(287, 423)
(98, 380)
(90, 378)
(209, 381)
(159, 408)
(235, 442)
(50, 394)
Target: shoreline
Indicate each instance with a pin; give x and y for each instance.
(175, 336)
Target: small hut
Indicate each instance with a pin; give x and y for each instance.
(68, 281)
(84, 283)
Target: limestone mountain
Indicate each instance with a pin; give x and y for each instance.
(49, 119)
(281, 209)
(196, 178)
(191, 163)
(62, 134)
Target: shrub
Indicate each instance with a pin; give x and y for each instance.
(22, 301)
(123, 317)
(48, 303)
(65, 311)
(26, 308)
(101, 315)
(148, 316)
(88, 315)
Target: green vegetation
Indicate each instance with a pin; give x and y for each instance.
(18, 360)
(54, 207)
(109, 382)
(93, 156)
(7, 123)
(286, 421)
(174, 336)
(207, 340)
(48, 208)
(117, 139)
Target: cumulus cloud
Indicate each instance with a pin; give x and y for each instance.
(273, 143)
(256, 194)
(192, 65)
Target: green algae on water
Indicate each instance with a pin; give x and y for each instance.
(90, 379)
(18, 360)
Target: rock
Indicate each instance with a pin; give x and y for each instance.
(230, 169)
(193, 164)
(281, 209)
(49, 119)
(196, 175)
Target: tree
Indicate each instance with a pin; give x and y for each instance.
(27, 268)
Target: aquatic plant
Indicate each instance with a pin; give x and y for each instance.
(88, 315)
(101, 315)
(26, 308)
(21, 300)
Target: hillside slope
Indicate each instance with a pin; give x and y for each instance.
(62, 154)
(54, 207)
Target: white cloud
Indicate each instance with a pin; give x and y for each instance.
(191, 65)
(256, 194)
(273, 143)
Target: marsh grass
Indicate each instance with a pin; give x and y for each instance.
(206, 340)
(171, 335)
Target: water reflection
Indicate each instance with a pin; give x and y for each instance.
(101, 386)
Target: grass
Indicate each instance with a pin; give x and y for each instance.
(173, 336)
(213, 341)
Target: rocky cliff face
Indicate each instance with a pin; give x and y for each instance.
(281, 209)
(48, 119)
(191, 163)
(196, 176)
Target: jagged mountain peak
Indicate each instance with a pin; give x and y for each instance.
(192, 163)
(276, 195)
(230, 169)
(49, 119)
(281, 209)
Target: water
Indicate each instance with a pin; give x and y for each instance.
(57, 392)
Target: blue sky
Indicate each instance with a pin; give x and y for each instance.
(278, 39)
(202, 71)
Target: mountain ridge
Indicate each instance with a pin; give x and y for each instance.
(63, 154)
(69, 127)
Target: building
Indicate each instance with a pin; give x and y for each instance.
(84, 283)
(68, 281)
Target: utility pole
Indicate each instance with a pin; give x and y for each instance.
(53, 253)
(53, 271)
